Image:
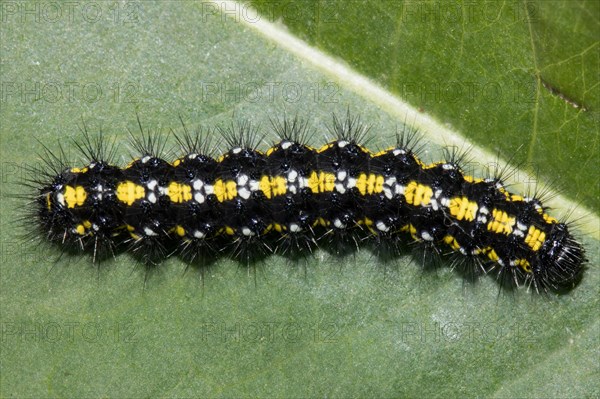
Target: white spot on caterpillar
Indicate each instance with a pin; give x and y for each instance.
(339, 187)
(60, 197)
(242, 180)
(254, 186)
(198, 234)
(197, 184)
(209, 189)
(146, 159)
(342, 143)
(236, 150)
(341, 175)
(294, 228)
(426, 236)
(447, 166)
(152, 185)
(388, 192)
(244, 193)
(338, 224)
(286, 144)
(149, 232)
(152, 197)
(192, 156)
(351, 183)
(382, 226)
(292, 175)
(302, 182)
(398, 151)
(247, 232)
(484, 210)
(199, 198)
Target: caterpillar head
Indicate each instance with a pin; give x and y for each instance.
(561, 259)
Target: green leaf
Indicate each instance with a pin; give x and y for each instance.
(350, 326)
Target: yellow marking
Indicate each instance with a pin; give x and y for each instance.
(278, 228)
(369, 184)
(418, 194)
(365, 150)
(130, 164)
(535, 238)
(321, 221)
(432, 165)
(177, 162)
(179, 230)
(549, 219)
(471, 179)
(502, 223)
(79, 170)
(75, 196)
(321, 182)
(412, 230)
(461, 208)
(271, 150)
(221, 158)
(506, 193)
(229, 231)
(273, 186)
(48, 202)
(179, 192)
(369, 224)
(83, 227)
(524, 264)
(516, 198)
(225, 190)
(325, 147)
(451, 241)
(383, 152)
(130, 228)
(492, 255)
(128, 192)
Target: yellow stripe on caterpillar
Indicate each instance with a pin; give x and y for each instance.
(74, 196)
(129, 192)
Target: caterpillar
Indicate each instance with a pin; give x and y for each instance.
(293, 197)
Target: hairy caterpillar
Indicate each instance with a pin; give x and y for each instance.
(293, 197)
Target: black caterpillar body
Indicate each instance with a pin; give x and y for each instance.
(293, 195)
